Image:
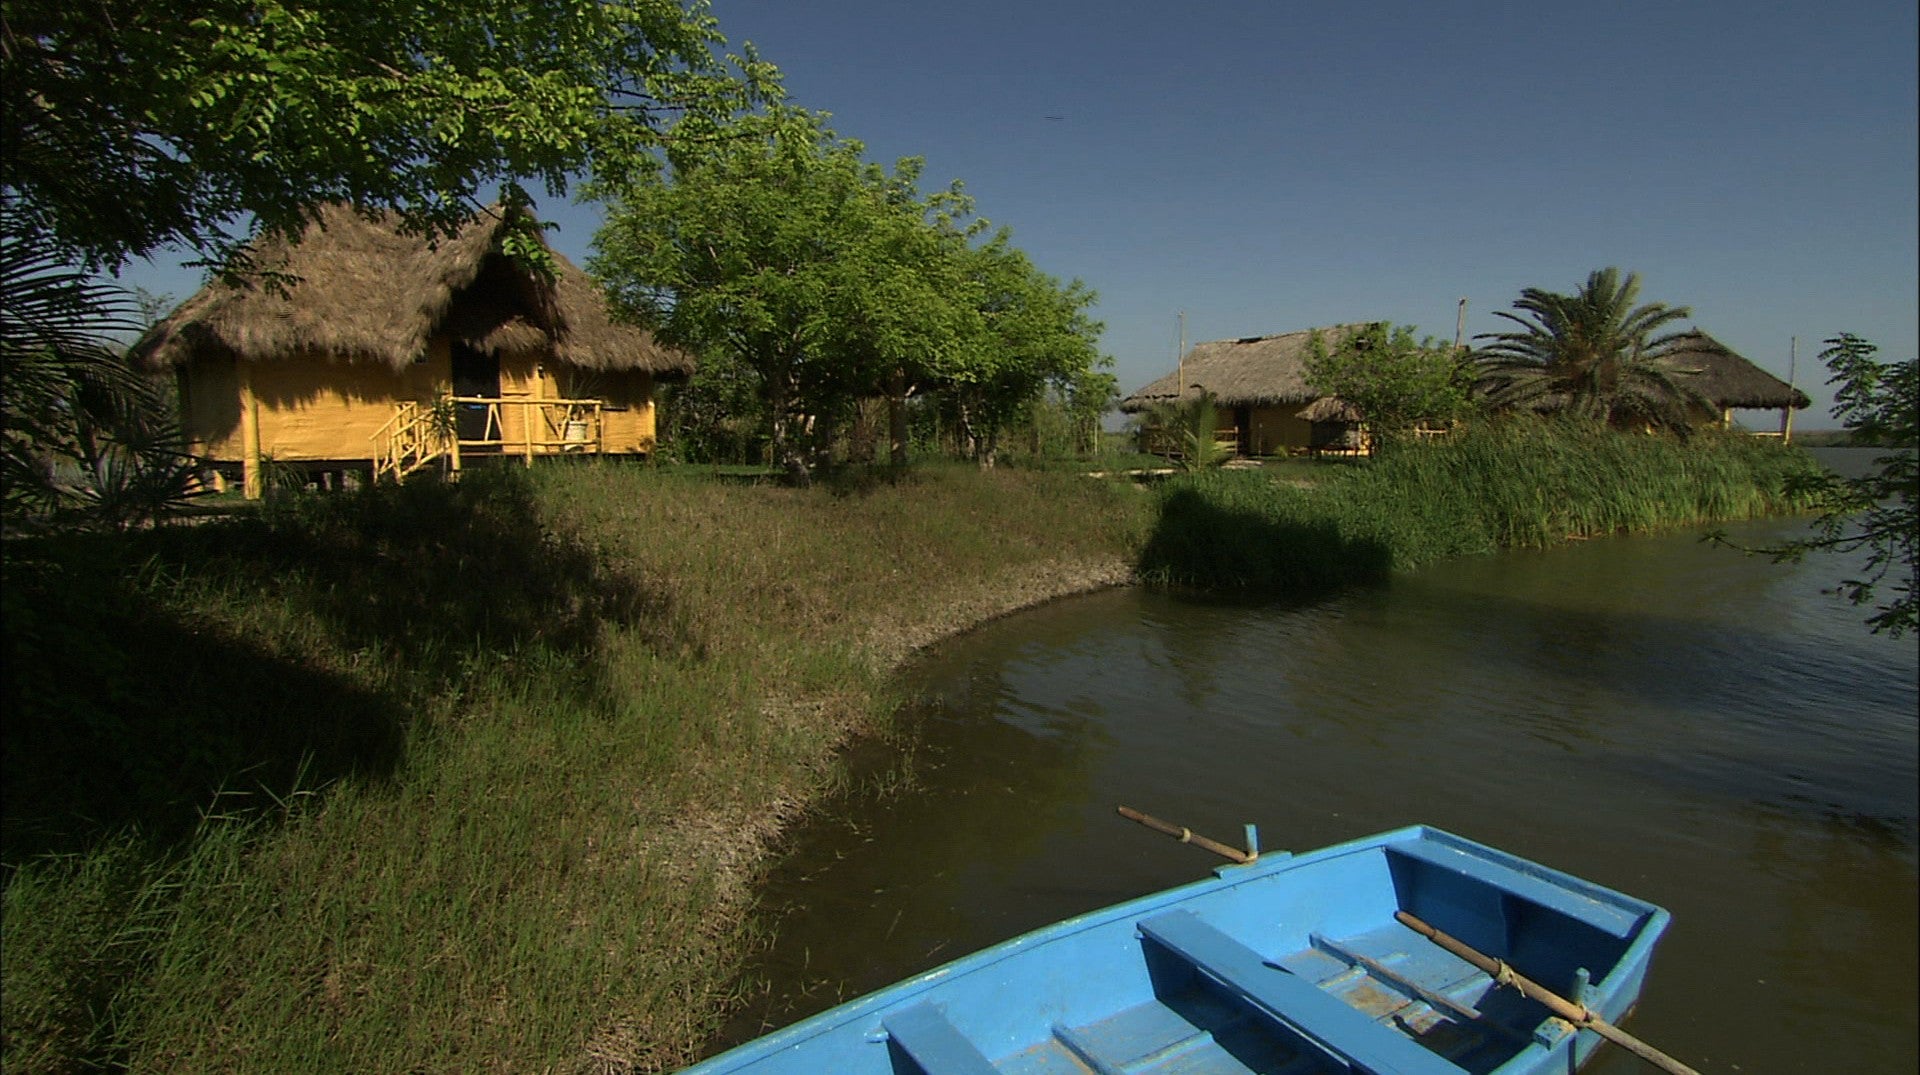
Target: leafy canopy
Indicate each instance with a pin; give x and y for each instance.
(1593, 354)
(789, 253)
(134, 124)
(1878, 513)
(1031, 334)
(829, 277)
(1391, 380)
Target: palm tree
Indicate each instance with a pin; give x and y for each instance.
(1190, 431)
(1593, 354)
(83, 435)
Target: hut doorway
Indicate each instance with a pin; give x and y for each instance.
(476, 374)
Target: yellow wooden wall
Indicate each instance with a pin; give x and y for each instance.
(307, 408)
(1276, 430)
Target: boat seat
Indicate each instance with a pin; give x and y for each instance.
(1616, 921)
(923, 1033)
(1322, 1018)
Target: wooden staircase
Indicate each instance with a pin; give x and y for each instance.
(415, 437)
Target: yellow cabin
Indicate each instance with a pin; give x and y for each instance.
(1259, 384)
(363, 349)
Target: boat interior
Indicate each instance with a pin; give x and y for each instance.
(1296, 980)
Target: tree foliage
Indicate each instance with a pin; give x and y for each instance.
(81, 433)
(1188, 432)
(1593, 354)
(788, 253)
(1391, 380)
(134, 124)
(1031, 334)
(1879, 513)
(833, 280)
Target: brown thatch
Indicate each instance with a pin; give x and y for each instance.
(1254, 371)
(1329, 409)
(356, 289)
(1728, 380)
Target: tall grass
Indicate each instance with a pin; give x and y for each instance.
(475, 777)
(1511, 484)
(497, 758)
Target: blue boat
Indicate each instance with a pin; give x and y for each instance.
(1291, 964)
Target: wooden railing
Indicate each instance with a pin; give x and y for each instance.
(415, 436)
(1166, 443)
(421, 433)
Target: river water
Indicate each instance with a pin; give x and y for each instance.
(1702, 729)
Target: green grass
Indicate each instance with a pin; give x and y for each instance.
(498, 757)
(477, 777)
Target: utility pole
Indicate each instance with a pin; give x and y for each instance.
(1180, 363)
(1786, 412)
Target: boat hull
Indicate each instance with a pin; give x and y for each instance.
(1290, 964)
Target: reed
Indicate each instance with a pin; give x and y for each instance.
(1524, 484)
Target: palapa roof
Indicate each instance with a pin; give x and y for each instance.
(1271, 371)
(1252, 371)
(356, 289)
(1729, 380)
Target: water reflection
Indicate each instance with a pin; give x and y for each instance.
(1706, 730)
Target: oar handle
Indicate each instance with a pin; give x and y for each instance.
(1577, 1014)
(1185, 835)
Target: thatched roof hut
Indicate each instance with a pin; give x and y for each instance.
(335, 353)
(1253, 371)
(357, 289)
(1729, 381)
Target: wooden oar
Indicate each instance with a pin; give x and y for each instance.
(1187, 836)
(1577, 1014)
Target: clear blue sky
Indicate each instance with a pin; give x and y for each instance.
(1268, 166)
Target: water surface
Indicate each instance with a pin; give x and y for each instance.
(1709, 731)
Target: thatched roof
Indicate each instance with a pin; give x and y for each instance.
(1253, 371)
(1330, 409)
(356, 289)
(1729, 380)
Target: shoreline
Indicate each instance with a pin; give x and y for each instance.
(740, 845)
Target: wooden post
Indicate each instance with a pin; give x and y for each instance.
(453, 441)
(1786, 412)
(251, 483)
(1180, 366)
(897, 418)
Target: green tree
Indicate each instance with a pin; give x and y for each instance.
(1593, 354)
(130, 125)
(1391, 380)
(1188, 431)
(1032, 334)
(793, 256)
(1875, 513)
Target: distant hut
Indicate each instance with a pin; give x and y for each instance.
(362, 348)
(1730, 382)
(1259, 383)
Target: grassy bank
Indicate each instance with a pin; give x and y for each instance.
(499, 757)
(1498, 485)
(476, 777)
